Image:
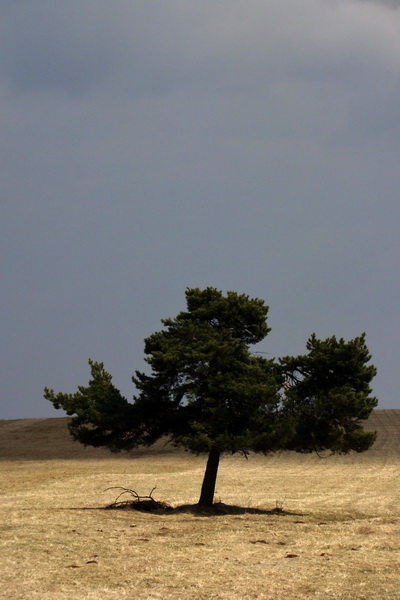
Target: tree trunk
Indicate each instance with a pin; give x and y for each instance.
(210, 478)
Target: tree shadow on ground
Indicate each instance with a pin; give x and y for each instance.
(151, 505)
(217, 509)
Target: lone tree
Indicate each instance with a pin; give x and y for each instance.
(209, 394)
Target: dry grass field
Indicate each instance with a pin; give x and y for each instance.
(338, 537)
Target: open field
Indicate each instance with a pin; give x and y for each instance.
(338, 539)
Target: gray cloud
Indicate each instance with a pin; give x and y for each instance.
(390, 3)
(151, 146)
(54, 46)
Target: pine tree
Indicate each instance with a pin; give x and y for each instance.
(207, 392)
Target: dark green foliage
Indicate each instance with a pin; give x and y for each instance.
(208, 393)
(327, 393)
(206, 389)
(100, 414)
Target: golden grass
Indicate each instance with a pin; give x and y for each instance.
(341, 540)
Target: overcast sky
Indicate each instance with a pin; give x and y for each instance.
(152, 145)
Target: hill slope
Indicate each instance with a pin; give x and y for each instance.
(46, 439)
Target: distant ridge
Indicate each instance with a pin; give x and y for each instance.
(47, 439)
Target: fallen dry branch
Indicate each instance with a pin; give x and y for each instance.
(141, 503)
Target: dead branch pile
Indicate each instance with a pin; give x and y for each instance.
(136, 502)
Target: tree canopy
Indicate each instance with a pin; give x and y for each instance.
(208, 393)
